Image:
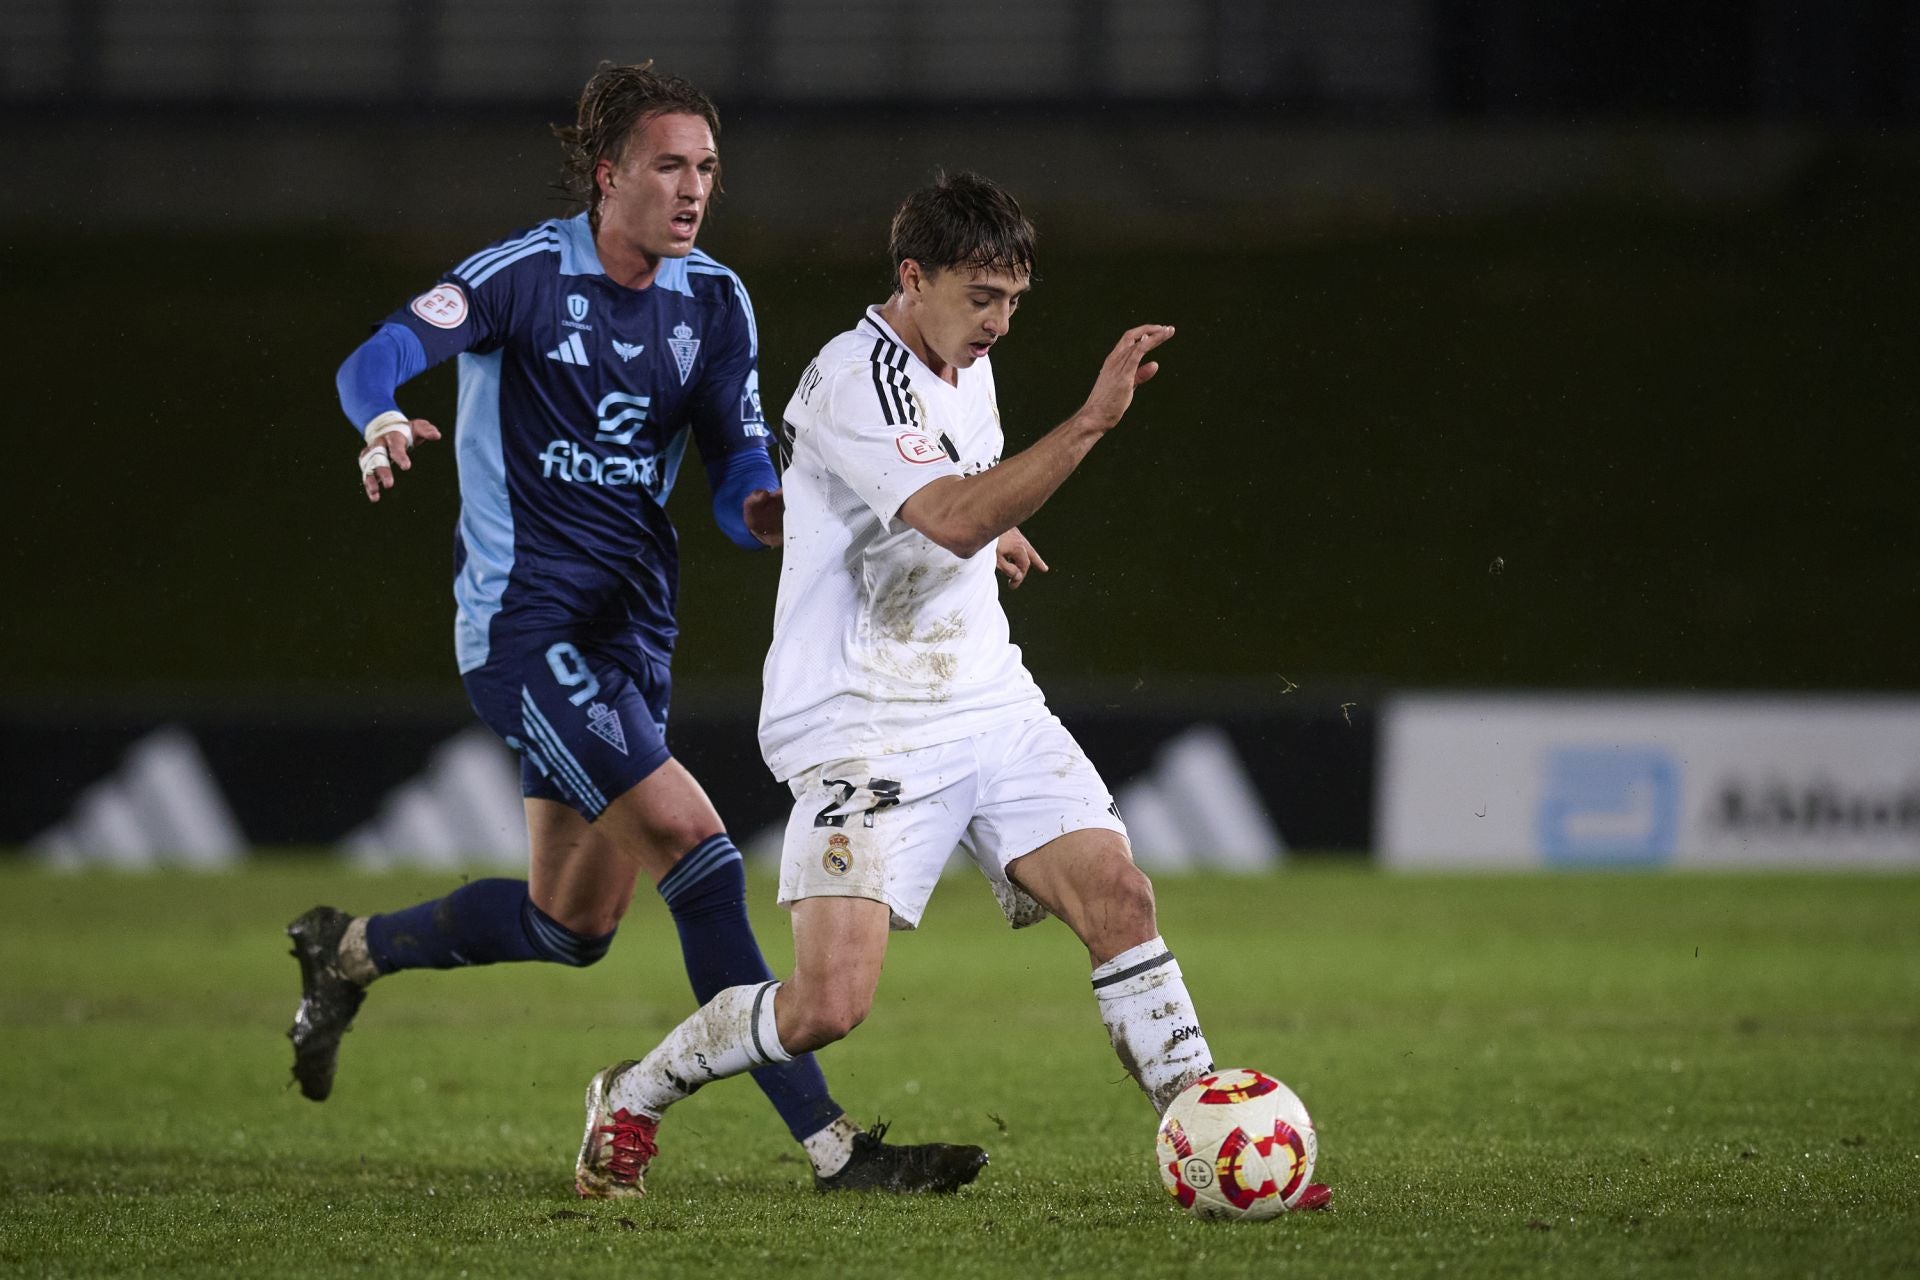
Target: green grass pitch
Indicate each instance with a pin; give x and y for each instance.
(1512, 1076)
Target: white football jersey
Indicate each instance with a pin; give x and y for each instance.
(882, 640)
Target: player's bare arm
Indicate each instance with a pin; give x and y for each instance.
(391, 449)
(965, 513)
(1015, 557)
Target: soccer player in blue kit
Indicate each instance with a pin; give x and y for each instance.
(590, 348)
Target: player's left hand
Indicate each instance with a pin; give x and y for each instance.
(1015, 557)
(765, 512)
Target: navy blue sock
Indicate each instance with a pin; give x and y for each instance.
(707, 893)
(483, 922)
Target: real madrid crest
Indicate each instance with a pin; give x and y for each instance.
(838, 859)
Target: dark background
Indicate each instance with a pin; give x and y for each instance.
(1520, 345)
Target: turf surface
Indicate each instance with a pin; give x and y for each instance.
(1661, 1076)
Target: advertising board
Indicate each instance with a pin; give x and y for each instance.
(1599, 781)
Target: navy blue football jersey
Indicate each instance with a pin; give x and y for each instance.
(577, 397)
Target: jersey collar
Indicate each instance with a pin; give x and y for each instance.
(885, 330)
(579, 257)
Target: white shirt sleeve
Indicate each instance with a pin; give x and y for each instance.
(870, 435)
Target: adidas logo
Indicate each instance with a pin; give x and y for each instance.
(161, 807)
(462, 810)
(1197, 807)
(572, 351)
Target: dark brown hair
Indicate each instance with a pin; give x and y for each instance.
(964, 221)
(615, 102)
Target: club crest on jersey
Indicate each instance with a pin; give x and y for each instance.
(605, 723)
(838, 859)
(685, 348)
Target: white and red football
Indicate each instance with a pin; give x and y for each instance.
(1236, 1144)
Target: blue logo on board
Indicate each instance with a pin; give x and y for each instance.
(1609, 806)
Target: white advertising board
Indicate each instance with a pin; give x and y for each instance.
(1595, 781)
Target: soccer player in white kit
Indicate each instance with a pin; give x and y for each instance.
(896, 707)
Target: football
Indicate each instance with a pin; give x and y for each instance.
(1236, 1144)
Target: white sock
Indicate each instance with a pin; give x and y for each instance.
(732, 1033)
(831, 1148)
(1150, 1019)
(355, 962)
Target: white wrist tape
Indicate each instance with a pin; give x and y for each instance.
(373, 459)
(388, 423)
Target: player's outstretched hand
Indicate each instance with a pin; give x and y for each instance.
(1016, 558)
(765, 512)
(1126, 367)
(391, 450)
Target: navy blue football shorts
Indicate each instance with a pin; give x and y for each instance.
(587, 726)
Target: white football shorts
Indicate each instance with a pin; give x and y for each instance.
(883, 827)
